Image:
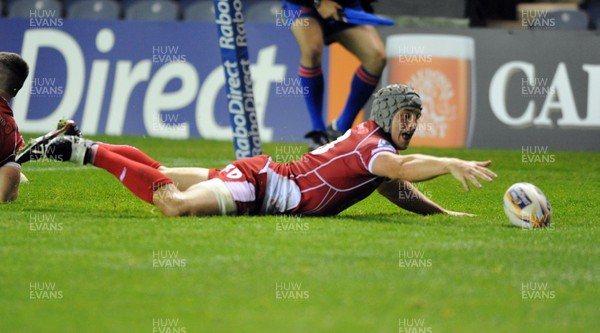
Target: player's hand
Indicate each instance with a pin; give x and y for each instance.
(461, 214)
(469, 171)
(329, 9)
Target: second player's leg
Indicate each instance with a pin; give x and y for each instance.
(309, 36)
(364, 42)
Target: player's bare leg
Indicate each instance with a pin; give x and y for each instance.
(309, 36)
(195, 201)
(185, 178)
(209, 197)
(364, 42)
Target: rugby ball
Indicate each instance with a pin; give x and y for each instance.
(527, 207)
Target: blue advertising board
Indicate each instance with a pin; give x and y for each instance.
(167, 80)
(151, 78)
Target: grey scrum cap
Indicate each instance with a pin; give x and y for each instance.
(391, 99)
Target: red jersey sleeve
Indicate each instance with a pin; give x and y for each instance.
(373, 146)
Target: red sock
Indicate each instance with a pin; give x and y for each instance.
(131, 153)
(139, 178)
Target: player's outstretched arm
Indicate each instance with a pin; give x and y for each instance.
(406, 196)
(417, 167)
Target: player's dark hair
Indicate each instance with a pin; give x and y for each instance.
(13, 72)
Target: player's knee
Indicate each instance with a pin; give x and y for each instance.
(170, 211)
(312, 55)
(170, 207)
(377, 60)
(382, 58)
(170, 203)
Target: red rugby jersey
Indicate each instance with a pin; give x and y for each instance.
(10, 138)
(337, 175)
(323, 182)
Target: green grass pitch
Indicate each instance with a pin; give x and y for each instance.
(79, 253)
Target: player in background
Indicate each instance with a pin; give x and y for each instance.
(13, 72)
(316, 24)
(322, 182)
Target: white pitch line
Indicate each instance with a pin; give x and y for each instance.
(73, 168)
(174, 164)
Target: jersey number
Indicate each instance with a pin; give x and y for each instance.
(232, 172)
(328, 146)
